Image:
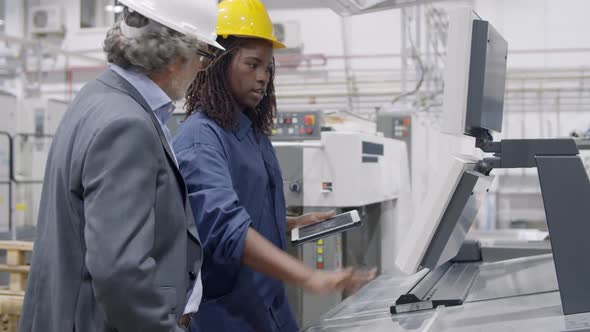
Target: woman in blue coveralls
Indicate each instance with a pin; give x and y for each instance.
(235, 185)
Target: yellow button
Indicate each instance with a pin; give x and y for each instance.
(320, 250)
(320, 242)
(274, 131)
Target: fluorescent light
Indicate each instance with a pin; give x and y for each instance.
(114, 8)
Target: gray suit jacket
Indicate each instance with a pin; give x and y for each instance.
(116, 248)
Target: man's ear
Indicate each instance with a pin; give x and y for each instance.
(170, 70)
(176, 66)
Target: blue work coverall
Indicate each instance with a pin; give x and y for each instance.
(234, 182)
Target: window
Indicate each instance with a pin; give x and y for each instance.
(99, 13)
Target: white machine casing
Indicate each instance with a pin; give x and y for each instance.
(354, 182)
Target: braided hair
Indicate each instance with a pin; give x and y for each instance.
(210, 93)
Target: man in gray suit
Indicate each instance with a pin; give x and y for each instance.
(116, 246)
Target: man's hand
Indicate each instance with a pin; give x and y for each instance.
(308, 219)
(348, 280)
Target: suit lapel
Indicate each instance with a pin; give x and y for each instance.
(115, 81)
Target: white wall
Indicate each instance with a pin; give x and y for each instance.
(14, 25)
(541, 24)
(321, 30)
(526, 24)
(369, 34)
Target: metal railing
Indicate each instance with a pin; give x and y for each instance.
(12, 181)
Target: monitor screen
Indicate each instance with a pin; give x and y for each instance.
(487, 79)
(440, 226)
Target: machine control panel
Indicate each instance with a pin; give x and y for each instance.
(401, 127)
(297, 126)
(398, 126)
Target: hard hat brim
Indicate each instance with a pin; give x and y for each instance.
(275, 43)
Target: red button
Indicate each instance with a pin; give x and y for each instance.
(319, 265)
(302, 130)
(407, 122)
(309, 131)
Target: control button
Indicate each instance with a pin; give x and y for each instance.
(302, 130)
(407, 122)
(295, 120)
(295, 187)
(287, 121)
(320, 259)
(320, 250)
(406, 134)
(291, 131)
(319, 265)
(309, 120)
(320, 242)
(309, 130)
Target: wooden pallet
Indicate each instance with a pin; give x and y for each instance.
(11, 297)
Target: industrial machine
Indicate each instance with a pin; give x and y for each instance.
(458, 285)
(325, 169)
(26, 130)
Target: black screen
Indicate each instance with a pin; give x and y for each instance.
(338, 221)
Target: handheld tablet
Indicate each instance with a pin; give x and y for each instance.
(336, 224)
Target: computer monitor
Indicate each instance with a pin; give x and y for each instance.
(441, 224)
(475, 76)
(473, 105)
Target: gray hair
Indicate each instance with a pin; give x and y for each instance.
(150, 51)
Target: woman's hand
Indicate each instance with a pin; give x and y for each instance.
(348, 280)
(308, 219)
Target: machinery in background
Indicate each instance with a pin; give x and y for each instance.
(428, 147)
(26, 129)
(341, 170)
(457, 285)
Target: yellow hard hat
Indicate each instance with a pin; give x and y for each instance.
(245, 18)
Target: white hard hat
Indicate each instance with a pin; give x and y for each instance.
(197, 18)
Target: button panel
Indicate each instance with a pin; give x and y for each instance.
(297, 126)
(402, 127)
(319, 254)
